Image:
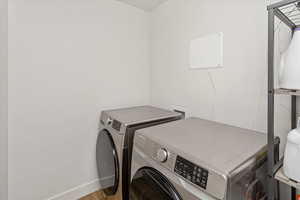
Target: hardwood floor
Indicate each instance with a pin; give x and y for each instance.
(95, 196)
(99, 196)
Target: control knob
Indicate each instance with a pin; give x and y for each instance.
(109, 121)
(162, 155)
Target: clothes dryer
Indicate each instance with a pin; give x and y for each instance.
(114, 143)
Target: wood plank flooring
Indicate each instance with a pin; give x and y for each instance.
(99, 196)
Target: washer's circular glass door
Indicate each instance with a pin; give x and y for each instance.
(150, 184)
(107, 162)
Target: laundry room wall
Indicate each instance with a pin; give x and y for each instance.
(3, 100)
(235, 94)
(68, 60)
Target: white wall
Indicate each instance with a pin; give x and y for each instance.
(235, 94)
(68, 60)
(3, 100)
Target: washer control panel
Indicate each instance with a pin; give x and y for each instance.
(191, 172)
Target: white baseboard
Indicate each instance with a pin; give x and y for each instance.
(79, 191)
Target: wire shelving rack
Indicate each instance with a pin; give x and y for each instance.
(288, 12)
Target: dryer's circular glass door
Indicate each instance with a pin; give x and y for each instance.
(107, 162)
(150, 184)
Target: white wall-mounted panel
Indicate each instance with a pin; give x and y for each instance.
(207, 51)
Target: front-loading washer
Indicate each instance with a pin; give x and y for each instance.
(114, 143)
(196, 159)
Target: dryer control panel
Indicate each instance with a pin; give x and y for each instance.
(191, 172)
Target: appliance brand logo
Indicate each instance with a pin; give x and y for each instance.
(298, 197)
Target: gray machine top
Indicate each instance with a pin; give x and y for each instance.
(212, 145)
(140, 114)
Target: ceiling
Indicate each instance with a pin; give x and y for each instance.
(146, 5)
